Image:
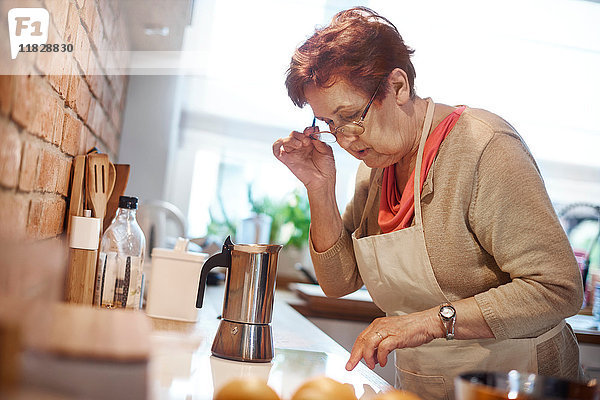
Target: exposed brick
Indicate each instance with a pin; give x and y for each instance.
(52, 63)
(23, 65)
(72, 135)
(60, 81)
(87, 14)
(13, 214)
(90, 141)
(6, 93)
(79, 96)
(10, 154)
(115, 115)
(107, 16)
(47, 215)
(123, 93)
(95, 79)
(35, 216)
(111, 138)
(54, 216)
(44, 61)
(4, 44)
(99, 121)
(73, 23)
(8, 4)
(59, 11)
(97, 32)
(48, 170)
(64, 173)
(35, 163)
(103, 50)
(58, 122)
(44, 114)
(91, 111)
(108, 98)
(24, 109)
(29, 166)
(81, 50)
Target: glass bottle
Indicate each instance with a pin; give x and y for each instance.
(121, 259)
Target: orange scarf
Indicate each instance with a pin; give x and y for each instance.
(396, 209)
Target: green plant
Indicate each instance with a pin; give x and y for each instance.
(220, 229)
(290, 217)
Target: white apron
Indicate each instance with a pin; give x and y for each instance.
(396, 270)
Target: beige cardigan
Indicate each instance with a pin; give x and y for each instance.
(491, 232)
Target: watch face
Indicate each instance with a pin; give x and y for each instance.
(447, 312)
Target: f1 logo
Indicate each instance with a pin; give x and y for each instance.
(27, 26)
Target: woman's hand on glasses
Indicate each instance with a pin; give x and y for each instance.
(310, 160)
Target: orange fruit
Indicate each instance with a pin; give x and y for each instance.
(246, 389)
(324, 388)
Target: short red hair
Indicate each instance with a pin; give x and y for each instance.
(359, 46)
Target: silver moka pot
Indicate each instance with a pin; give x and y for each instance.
(244, 333)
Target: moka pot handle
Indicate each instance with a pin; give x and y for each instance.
(223, 259)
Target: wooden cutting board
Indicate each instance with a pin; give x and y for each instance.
(357, 306)
(75, 330)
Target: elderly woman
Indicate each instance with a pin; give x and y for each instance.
(450, 228)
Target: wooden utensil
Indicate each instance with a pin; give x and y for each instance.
(81, 272)
(121, 179)
(77, 190)
(98, 183)
(81, 276)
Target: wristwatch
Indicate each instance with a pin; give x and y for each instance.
(448, 317)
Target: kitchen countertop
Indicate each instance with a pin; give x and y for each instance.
(182, 367)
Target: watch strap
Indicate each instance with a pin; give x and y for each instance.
(448, 323)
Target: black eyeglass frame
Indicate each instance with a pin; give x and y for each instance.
(340, 129)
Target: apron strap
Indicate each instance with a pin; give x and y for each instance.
(417, 199)
(370, 200)
(424, 135)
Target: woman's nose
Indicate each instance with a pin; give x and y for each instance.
(345, 141)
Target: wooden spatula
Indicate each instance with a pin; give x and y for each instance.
(99, 187)
(122, 176)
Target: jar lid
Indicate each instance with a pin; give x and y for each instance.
(128, 202)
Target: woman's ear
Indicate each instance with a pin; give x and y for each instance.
(399, 83)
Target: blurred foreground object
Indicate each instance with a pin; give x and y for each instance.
(54, 350)
(324, 388)
(581, 222)
(246, 389)
(89, 353)
(516, 385)
(31, 278)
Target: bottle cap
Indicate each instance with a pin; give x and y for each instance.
(128, 202)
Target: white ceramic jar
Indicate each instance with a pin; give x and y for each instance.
(173, 285)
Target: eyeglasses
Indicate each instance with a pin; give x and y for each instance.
(354, 128)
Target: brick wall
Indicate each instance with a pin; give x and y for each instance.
(54, 106)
